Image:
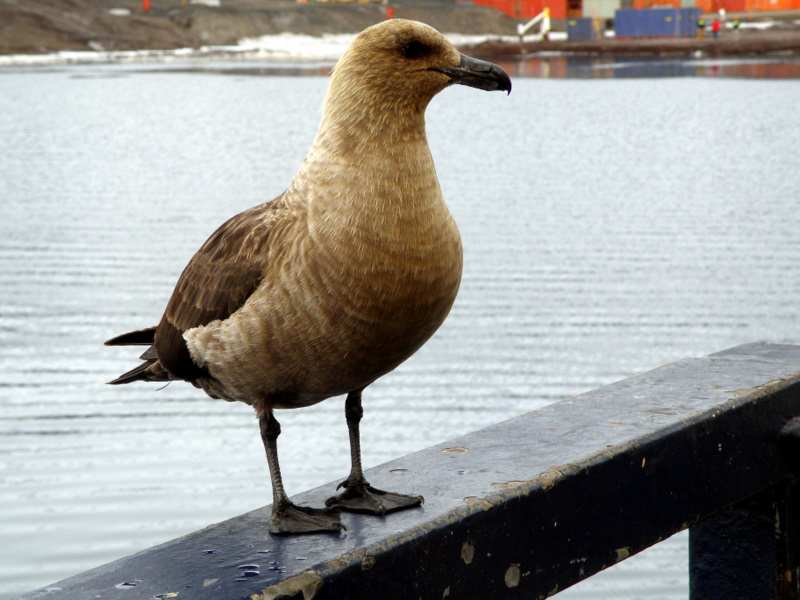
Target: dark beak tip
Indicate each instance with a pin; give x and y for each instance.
(476, 73)
(485, 75)
(504, 80)
(507, 88)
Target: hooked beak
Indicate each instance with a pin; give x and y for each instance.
(478, 74)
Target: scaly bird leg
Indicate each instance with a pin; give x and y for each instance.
(358, 495)
(288, 518)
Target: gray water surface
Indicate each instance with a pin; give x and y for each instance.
(609, 226)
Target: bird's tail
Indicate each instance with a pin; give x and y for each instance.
(150, 369)
(140, 337)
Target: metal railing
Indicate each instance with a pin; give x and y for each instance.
(530, 506)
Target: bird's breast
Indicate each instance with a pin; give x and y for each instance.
(356, 288)
(401, 273)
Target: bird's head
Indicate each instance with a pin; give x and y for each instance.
(403, 64)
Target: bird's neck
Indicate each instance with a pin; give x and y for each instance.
(375, 211)
(378, 162)
(359, 133)
(374, 190)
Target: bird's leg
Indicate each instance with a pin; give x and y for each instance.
(288, 518)
(358, 495)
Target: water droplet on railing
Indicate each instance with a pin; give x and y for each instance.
(125, 585)
(248, 574)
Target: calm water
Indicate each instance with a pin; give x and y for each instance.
(609, 226)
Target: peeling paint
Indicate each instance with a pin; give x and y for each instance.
(512, 576)
(343, 561)
(455, 450)
(338, 563)
(478, 502)
(623, 553)
(768, 389)
(307, 583)
(550, 478)
(209, 582)
(509, 484)
(367, 563)
(446, 592)
(467, 552)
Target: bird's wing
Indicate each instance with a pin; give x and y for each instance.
(219, 278)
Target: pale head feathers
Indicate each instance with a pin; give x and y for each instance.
(386, 67)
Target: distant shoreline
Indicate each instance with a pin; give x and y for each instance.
(172, 29)
(751, 43)
(48, 26)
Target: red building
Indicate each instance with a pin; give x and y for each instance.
(527, 9)
(563, 9)
(747, 5)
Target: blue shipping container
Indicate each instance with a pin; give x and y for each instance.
(688, 26)
(656, 22)
(585, 29)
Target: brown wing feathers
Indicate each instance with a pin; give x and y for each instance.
(216, 282)
(141, 337)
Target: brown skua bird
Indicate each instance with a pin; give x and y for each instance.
(338, 280)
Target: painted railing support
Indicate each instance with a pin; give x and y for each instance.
(749, 551)
(530, 506)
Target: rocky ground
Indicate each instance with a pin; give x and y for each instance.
(43, 26)
(39, 26)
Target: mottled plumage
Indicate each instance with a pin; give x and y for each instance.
(338, 280)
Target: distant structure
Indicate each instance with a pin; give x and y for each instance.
(605, 9)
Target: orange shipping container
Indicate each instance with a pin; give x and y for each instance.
(527, 9)
(734, 6)
(558, 8)
(731, 6)
(755, 5)
(662, 3)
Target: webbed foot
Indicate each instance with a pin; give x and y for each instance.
(363, 498)
(290, 519)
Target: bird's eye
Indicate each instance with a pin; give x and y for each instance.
(414, 49)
